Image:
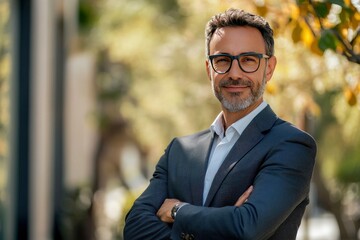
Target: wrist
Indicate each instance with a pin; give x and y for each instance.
(176, 209)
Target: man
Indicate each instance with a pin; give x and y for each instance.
(248, 176)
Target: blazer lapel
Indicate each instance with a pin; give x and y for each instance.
(198, 169)
(251, 136)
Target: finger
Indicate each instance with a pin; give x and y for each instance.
(244, 196)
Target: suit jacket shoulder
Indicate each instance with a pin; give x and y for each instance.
(268, 122)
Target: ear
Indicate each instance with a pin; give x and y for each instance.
(207, 64)
(270, 68)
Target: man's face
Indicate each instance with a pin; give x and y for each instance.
(236, 89)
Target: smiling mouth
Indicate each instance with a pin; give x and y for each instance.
(236, 88)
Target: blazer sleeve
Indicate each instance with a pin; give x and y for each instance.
(141, 221)
(281, 184)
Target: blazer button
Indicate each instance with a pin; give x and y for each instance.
(182, 236)
(188, 236)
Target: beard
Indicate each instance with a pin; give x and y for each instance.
(235, 102)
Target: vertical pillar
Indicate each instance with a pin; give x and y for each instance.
(41, 131)
(58, 121)
(18, 212)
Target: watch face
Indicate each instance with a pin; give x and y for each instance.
(174, 210)
(172, 213)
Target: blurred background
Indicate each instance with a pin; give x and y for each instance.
(92, 91)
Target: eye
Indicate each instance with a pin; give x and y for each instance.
(249, 59)
(222, 59)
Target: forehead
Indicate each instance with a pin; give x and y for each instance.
(236, 40)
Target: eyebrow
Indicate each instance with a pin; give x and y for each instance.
(250, 52)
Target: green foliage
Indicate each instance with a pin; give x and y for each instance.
(331, 33)
(153, 69)
(349, 168)
(87, 14)
(321, 26)
(169, 8)
(75, 210)
(322, 9)
(113, 81)
(341, 3)
(333, 24)
(327, 40)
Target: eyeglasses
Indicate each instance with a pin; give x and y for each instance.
(249, 62)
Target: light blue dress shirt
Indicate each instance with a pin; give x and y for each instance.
(223, 142)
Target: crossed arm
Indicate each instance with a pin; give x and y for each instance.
(279, 188)
(164, 212)
(150, 216)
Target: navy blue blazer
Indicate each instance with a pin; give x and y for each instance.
(271, 154)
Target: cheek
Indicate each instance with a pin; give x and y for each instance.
(216, 78)
(215, 83)
(257, 79)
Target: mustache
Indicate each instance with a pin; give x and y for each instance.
(240, 82)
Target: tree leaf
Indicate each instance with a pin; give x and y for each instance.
(355, 20)
(327, 40)
(338, 2)
(344, 15)
(322, 9)
(307, 35)
(314, 47)
(262, 10)
(350, 96)
(296, 33)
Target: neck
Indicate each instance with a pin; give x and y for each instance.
(231, 117)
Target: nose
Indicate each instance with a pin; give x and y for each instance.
(235, 71)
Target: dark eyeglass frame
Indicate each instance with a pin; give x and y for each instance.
(237, 57)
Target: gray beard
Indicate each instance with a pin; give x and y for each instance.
(241, 104)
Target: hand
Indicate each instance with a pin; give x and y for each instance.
(164, 213)
(243, 198)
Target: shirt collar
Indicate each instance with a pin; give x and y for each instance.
(218, 125)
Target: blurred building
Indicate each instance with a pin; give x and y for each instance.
(42, 87)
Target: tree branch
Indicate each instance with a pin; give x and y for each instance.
(348, 46)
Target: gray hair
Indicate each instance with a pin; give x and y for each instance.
(235, 17)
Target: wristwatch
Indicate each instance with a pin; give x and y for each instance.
(176, 208)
